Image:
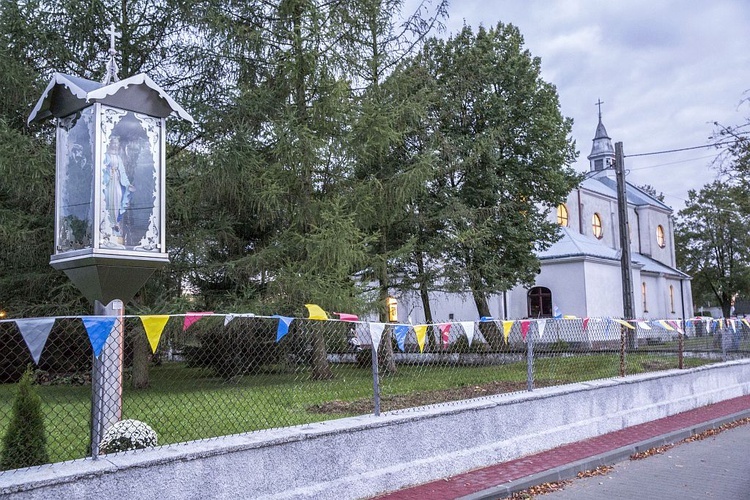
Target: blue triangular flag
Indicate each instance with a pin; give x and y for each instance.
(35, 333)
(400, 332)
(283, 328)
(99, 328)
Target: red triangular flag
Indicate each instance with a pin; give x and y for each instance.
(192, 317)
(525, 328)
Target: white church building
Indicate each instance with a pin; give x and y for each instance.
(581, 273)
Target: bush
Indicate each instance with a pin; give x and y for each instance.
(127, 435)
(25, 441)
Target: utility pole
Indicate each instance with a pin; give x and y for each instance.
(625, 262)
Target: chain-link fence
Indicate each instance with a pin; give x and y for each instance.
(193, 377)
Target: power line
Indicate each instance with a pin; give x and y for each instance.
(684, 149)
(673, 163)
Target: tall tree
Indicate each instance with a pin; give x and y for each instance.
(388, 173)
(713, 244)
(505, 152)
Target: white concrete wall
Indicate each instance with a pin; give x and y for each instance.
(364, 456)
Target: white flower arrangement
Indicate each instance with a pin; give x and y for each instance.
(127, 435)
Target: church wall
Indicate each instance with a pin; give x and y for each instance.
(566, 282)
(649, 219)
(604, 289)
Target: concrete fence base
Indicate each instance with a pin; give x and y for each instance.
(363, 456)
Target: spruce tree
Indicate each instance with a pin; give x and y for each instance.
(25, 441)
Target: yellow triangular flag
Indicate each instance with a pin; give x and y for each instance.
(507, 325)
(154, 326)
(746, 323)
(421, 331)
(624, 323)
(316, 312)
(666, 325)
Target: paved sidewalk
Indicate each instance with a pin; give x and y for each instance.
(564, 462)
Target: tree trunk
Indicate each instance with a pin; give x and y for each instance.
(424, 294)
(321, 370)
(141, 355)
(386, 357)
(489, 329)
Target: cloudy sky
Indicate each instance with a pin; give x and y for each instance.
(666, 70)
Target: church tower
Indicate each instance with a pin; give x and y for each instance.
(602, 153)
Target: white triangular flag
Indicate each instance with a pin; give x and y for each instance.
(35, 333)
(376, 333)
(468, 327)
(541, 324)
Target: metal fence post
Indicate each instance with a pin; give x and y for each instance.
(724, 340)
(375, 379)
(530, 361)
(106, 377)
(681, 345)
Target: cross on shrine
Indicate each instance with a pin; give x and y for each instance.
(112, 35)
(111, 71)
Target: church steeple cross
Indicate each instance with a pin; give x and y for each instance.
(111, 74)
(599, 103)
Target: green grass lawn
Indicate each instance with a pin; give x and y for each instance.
(184, 404)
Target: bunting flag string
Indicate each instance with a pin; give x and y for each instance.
(468, 327)
(98, 329)
(541, 324)
(192, 317)
(445, 329)
(421, 331)
(35, 333)
(525, 329)
(154, 326)
(283, 328)
(507, 325)
(316, 312)
(400, 332)
(376, 334)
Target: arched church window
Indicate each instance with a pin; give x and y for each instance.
(540, 302)
(660, 240)
(596, 226)
(562, 215)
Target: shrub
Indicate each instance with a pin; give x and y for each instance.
(127, 435)
(25, 441)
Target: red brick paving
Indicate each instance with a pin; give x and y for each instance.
(488, 477)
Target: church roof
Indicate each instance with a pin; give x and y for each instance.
(574, 244)
(652, 266)
(66, 94)
(636, 196)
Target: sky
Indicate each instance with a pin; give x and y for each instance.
(665, 70)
